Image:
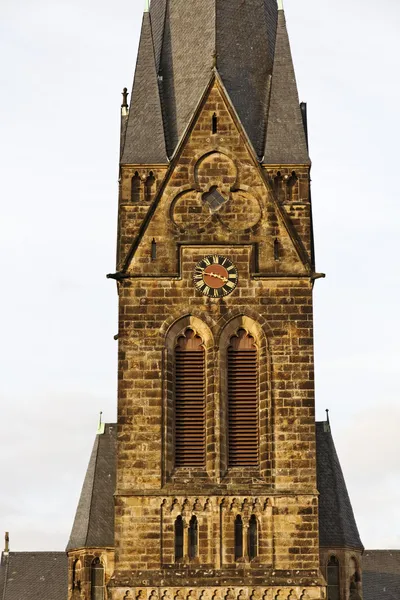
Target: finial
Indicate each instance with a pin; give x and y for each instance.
(101, 427)
(6, 543)
(280, 4)
(124, 105)
(124, 98)
(147, 6)
(327, 424)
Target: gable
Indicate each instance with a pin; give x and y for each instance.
(216, 192)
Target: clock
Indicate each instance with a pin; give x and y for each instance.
(215, 276)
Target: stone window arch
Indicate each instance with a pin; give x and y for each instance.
(150, 186)
(193, 541)
(178, 529)
(244, 334)
(136, 185)
(252, 541)
(355, 578)
(97, 580)
(333, 578)
(238, 538)
(183, 337)
(76, 575)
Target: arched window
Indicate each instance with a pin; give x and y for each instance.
(333, 578)
(215, 123)
(189, 401)
(178, 539)
(135, 187)
(291, 185)
(149, 187)
(243, 401)
(278, 185)
(193, 538)
(355, 577)
(76, 575)
(97, 580)
(253, 537)
(238, 537)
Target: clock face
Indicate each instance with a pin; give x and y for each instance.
(215, 276)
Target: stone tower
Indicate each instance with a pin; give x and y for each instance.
(216, 492)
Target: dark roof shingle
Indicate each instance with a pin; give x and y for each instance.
(94, 520)
(337, 525)
(34, 576)
(286, 141)
(189, 39)
(144, 140)
(381, 575)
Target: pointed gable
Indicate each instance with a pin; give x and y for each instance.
(248, 214)
(144, 138)
(94, 520)
(286, 139)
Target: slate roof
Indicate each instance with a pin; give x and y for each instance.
(144, 137)
(34, 576)
(182, 41)
(337, 525)
(381, 575)
(94, 519)
(286, 138)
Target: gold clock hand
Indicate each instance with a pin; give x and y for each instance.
(224, 279)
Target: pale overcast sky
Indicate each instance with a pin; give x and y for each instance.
(63, 66)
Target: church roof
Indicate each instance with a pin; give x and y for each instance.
(181, 43)
(337, 525)
(286, 138)
(94, 520)
(144, 138)
(34, 576)
(381, 574)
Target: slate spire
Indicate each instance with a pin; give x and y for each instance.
(337, 525)
(286, 140)
(192, 37)
(144, 140)
(93, 525)
(182, 41)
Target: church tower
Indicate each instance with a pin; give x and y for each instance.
(216, 494)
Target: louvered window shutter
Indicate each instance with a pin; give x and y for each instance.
(190, 401)
(243, 401)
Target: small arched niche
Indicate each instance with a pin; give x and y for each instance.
(178, 530)
(149, 187)
(136, 185)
